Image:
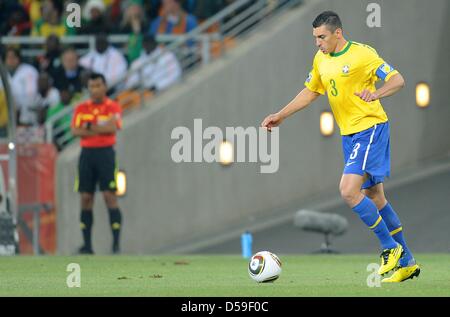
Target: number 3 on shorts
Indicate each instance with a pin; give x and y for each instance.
(355, 151)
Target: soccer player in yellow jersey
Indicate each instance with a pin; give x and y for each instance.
(347, 71)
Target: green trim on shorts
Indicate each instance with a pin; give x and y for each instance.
(76, 185)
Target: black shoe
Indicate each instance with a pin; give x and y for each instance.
(85, 250)
(115, 249)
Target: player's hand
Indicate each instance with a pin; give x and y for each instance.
(272, 120)
(366, 95)
(85, 125)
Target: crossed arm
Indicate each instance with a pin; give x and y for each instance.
(95, 129)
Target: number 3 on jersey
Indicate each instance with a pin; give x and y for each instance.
(334, 91)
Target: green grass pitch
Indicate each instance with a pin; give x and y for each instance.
(215, 276)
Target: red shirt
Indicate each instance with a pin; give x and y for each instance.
(97, 114)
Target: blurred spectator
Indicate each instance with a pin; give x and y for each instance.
(63, 123)
(201, 9)
(134, 19)
(84, 78)
(68, 75)
(3, 112)
(134, 23)
(95, 20)
(14, 20)
(47, 97)
(152, 8)
(23, 79)
(52, 21)
(162, 72)
(190, 5)
(6, 8)
(51, 59)
(204, 9)
(173, 19)
(106, 60)
(33, 9)
(115, 10)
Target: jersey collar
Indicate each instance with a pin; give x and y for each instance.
(347, 46)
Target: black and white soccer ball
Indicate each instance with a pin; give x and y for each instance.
(264, 266)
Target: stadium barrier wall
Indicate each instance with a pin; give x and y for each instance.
(36, 188)
(168, 204)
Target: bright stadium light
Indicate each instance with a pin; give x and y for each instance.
(226, 155)
(121, 180)
(326, 123)
(422, 95)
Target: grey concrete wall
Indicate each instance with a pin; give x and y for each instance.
(168, 204)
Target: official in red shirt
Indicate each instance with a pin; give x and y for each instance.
(96, 122)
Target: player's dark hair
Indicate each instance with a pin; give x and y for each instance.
(328, 18)
(94, 76)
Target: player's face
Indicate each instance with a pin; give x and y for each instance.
(326, 40)
(97, 89)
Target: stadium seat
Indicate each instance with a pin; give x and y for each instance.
(130, 99)
(218, 48)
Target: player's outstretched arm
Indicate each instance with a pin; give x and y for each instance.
(390, 87)
(302, 100)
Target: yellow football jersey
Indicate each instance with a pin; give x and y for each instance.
(355, 68)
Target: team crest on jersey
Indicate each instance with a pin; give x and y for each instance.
(309, 78)
(345, 70)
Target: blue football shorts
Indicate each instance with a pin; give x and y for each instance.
(368, 152)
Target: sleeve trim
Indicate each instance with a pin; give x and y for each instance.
(388, 76)
(319, 91)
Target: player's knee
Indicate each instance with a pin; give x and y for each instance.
(377, 197)
(87, 201)
(349, 194)
(110, 199)
(380, 201)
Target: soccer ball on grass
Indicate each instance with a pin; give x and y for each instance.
(264, 266)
